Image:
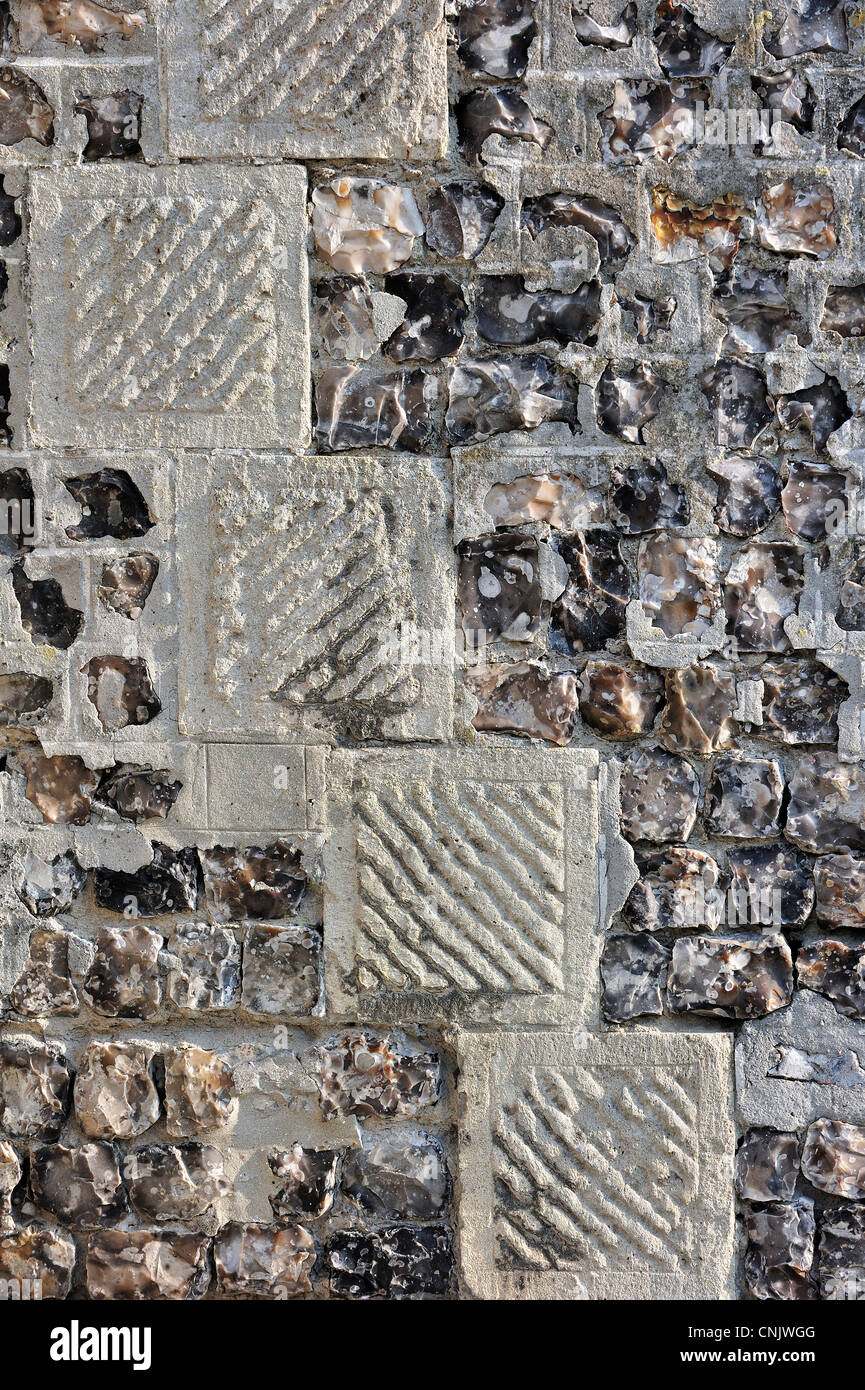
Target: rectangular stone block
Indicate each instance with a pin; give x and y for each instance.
(464, 883)
(264, 785)
(169, 307)
(306, 79)
(596, 1167)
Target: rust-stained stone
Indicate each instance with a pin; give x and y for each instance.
(730, 977)
(126, 583)
(634, 974)
(821, 410)
(851, 131)
(169, 883)
(79, 1186)
(434, 322)
(698, 717)
(18, 512)
(115, 1094)
(308, 1178)
(398, 1176)
(801, 700)
(25, 112)
(749, 493)
(78, 23)
(650, 315)
(364, 408)
(10, 1176)
(614, 238)
(174, 1182)
(842, 1253)
(282, 970)
(199, 1090)
(833, 1158)
(494, 36)
(771, 885)
(755, 308)
(34, 1088)
(560, 499)
(767, 1165)
(844, 311)
(788, 95)
(780, 1250)
(61, 787)
(497, 111)
(850, 613)
(659, 794)
(524, 698)
(684, 49)
(252, 882)
(48, 888)
(158, 1265)
(839, 880)
(499, 586)
(363, 1074)
(344, 315)
(836, 971)
(24, 698)
(797, 221)
(740, 404)
(509, 314)
(363, 224)
(679, 587)
(762, 588)
(396, 1262)
(810, 26)
(203, 967)
(683, 227)
(39, 1261)
(113, 125)
(617, 34)
(45, 986)
(628, 400)
(124, 979)
(620, 699)
(591, 609)
(642, 498)
(649, 120)
(827, 805)
(138, 793)
(508, 392)
(677, 888)
(122, 691)
(45, 614)
(111, 505)
(461, 218)
(744, 797)
(263, 1261)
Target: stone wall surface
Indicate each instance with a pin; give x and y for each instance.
(432, 780)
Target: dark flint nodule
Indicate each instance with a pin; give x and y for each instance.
(499, 586)
(770, 885)
(679, 588)
(111, 505)
(730, 977)
(10, 222)
(509, 314)
(749, 493)
(839, 880)
(365, 408)
(591, 610)
(620, 699)
(48, 888)
(788, 95)
(308, 1178)
(45, 986)
(837, 971)
(744, 797)
(24, 697)
(614, 238)
(814, 499)
(122, 691)
(767, 1165)
(508, 392)
(524, 698)
(618, 34)
(435, 316)
(169, 883)
(61, 787)
(762, 589)
(755, 307)
(780, 1250)
(739, 401)
(698, 717)
(282, 969)
(844, 311)
(801, 700)
(124, 979)
(138, 793)
(45, 614)
(461, 218)
(127, 581)
(494, 36)
(18, 515)
(113, 125)
(850, 613)
(204, 967)
(343, 311)
(651, 316)
(658, 794)
(25, 112)
(500, 111)
(174, 1182)
(821, 409)
(684, 49)
(827, 805)
(628, 400)
(79, 1185)
(634, 973)
(264, 884)
(648, 120)
(642, 498)
(397, 1176)
(678, 888)
(397, 1262)
(833, 1158)
(810, 26)
(842, 1252)
(363, 1073)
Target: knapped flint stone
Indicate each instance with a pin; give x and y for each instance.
(10, 1176)
(797, 221)
(263, 1261)
(763, 586)
(850, 613)
(363, 225)
(788, 95)
(83, 24)
(508, 392)
(366, 408)
(801, 700)
(46, 889)
(774, 883)
(658, 794)
(38, 1258)
(434, 323)
(344, 314)
(651, 120)
(618, 34)
(169, 883)
(23, 697)
(250, 882)
(628, 400)
(684, 49)
(821, 409)
(111, 504)
(842, 1253)
(124, 979)
(174, 1182)
(677, 888)
(560, 499)
(767, 1165)
(810, 26)
(698, 716)
(562, 209)
(126, 583)
(591, 608)
(497, 111)
(833, 1158)
(79, 1186)
(524, 698)
(684, 228)
(25, 112)
(113, 125)
(749, 493)
(122, 691)
(822, 1068)
(826, 811)
(362, 1074)
(744, 797)
(153, 1265)
(138, 793)
(730, 977)
(18, 512)
(851, 131)
(34, 1088)
(494, 36)
(755, 306)
(634, 973)
(45, 987)
(397, 1176)
(115, 1094)
(397, 1262)
(199, 1090)
(308, 1178)
(650, 315)
(642, 498)
(499, 586)
(204, 967)
(356, 1264)
(839, 880)
(837, 971)
(509, 314)
(282, 970)
(60, 787)
(45, 615)
(844, 311)
(10, 222)
(739, 402)
(461, 218)
(678, 583)
(780, 1250)
(620, 699)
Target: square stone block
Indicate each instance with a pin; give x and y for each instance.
(306, 79)
(297, 577)
(464, 884)
(596, 1167)
(169, 307)
(263, 785)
